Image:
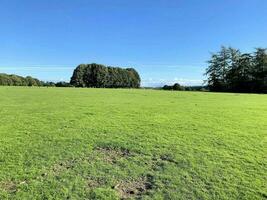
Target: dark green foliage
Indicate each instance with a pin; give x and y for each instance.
(231, 71)
(32, 81)
(176, 86)
(167, 87)
(100, 76)
(15, 80)
(49, 84)
(62, 84)
(196, 88)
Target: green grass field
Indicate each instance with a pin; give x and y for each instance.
(67, 143)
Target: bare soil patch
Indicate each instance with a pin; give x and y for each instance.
(95, 182)
(8, 186)
(134, 188)
(112, 154)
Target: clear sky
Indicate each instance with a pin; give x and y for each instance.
(167, 41)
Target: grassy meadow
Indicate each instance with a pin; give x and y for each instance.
(70, 143)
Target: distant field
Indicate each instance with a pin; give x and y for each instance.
(67, 143)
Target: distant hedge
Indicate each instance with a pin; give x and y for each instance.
(100, 76)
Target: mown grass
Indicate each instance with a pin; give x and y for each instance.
(66, 143)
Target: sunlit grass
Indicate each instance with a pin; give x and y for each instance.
(60, 143)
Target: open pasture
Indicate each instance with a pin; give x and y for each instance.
(69, 143)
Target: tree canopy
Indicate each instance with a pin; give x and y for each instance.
(230, 70)
(100, 76)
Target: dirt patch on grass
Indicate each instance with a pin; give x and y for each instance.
(8, 186)
(112, 154)
(57, 168)
(134, 188)
(95, 182)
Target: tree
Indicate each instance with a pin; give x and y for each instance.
(260, 70)
(214, 74)
(240, 78)
(177, 86)
(31, 81)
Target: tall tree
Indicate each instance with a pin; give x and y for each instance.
(214, 73)
(260, 70)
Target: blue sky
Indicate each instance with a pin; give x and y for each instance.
(167, 41)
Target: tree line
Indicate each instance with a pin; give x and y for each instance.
(15, 80)
(85, 75)
(101, 76)
(179, 87)
(230, 70)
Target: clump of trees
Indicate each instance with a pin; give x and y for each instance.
(230, 70)
(179, 87)
(100, 76)
(176, 86)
